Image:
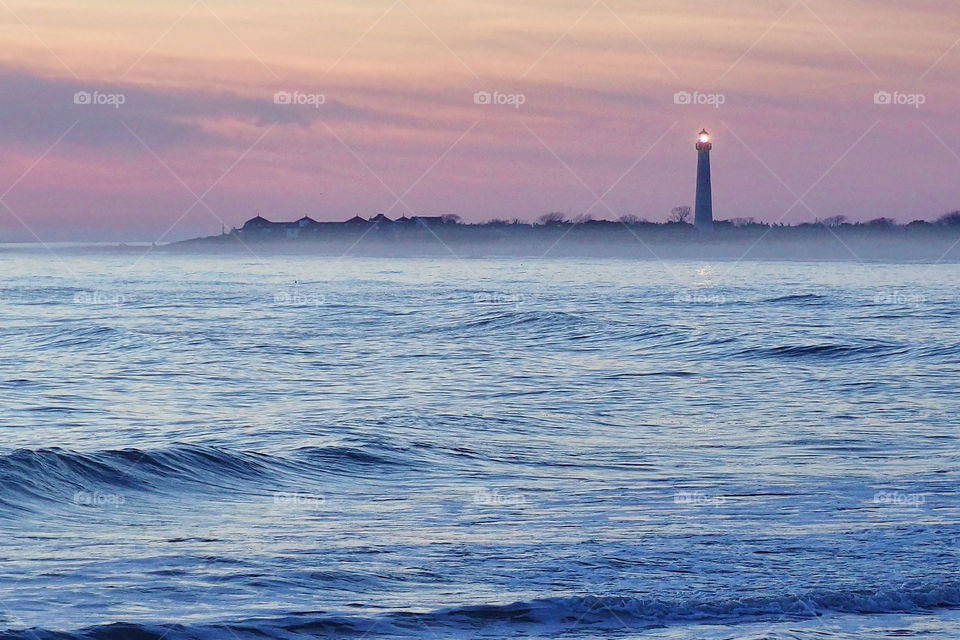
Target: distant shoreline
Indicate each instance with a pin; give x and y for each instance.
(445, 236)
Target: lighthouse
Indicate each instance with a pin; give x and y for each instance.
(703, 215)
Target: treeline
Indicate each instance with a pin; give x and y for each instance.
(683, 216)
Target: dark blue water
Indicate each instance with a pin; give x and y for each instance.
(310, 447)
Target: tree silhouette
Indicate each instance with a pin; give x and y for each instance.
(680, 214)
(552, 218)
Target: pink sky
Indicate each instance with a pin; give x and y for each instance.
(798, 134)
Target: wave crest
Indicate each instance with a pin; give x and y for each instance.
(542, 616)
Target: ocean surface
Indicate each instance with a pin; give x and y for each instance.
(236, 447)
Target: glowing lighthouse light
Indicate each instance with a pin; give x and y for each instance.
(704, 137)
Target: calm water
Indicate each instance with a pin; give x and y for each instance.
(305, 447)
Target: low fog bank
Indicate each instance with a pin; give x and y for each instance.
(615, 241)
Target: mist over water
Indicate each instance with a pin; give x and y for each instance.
(294, 446)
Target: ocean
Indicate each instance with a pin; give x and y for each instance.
(239, 447)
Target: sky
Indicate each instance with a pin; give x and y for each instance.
(139, 120)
